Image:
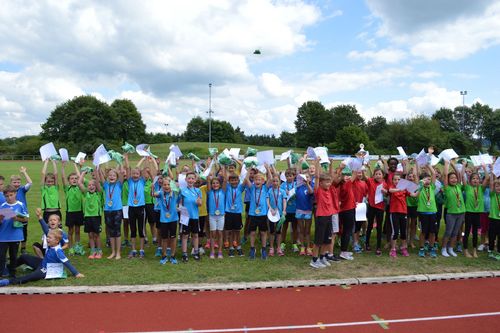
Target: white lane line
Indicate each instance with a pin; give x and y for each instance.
(352, 323)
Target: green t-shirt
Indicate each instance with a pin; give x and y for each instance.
(148, 198)
(454, 199)
(125, 193)
(474, 199)
(494, 206)
(411, 201)
(50, 197)
(74, 198)
(92, 204)
(427, 199)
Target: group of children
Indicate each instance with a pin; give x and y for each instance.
(209, 212)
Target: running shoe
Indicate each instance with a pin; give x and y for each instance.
(252, 253)
(98, 255)
(263, 254)
(158, 252)
(325, 262)
(132, 254)
(271, 252)
(393, 253)
(404, 252)
(346, 256)
(142, 254)
(201, 251)
(433, 253)
(283, 247)
(459, 248)
(196, 256)
(281, 253)
(421, 252)
(231, 253)
(444, 252)
(295, 248)
(316, 264)
(357, 248)
(173, 261)
(212, 255)
(164, 260)
(378, 252)
(240, 252)
(451, 252)
(185, 258)
(332, 258)
(108, 242)
(220, 256)
(481, 247)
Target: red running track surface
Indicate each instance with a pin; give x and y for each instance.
(164, 311)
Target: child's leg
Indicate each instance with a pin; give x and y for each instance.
(263, 238)
(307, 232)
(36, 275)
(300, 231)
(394, 230)
(71, 234)
(370, 215)
(379, 217)
(196, 240)
(475, 227)
(284, 231)
(220, 235)
(468, 227)
(252, 238)
(172, 244)
(37, 248)
(164, 246)
(295, 230)
(92, 241)
(213, 235)
(97, 238)
(76, 229)
(126, 229)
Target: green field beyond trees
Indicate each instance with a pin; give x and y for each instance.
(290, 267)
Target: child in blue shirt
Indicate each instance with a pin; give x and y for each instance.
(52, 224)
(168, 201)
(11, 229)
(276, 201)
(234, 209)
(290, 188)
(191, 199)
(15, 180)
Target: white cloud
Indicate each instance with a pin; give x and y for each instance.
(429, 75)
(389, 56)
(274, 86)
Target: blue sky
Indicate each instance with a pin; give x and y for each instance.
(392, 58)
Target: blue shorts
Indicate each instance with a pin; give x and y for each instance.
(303, 215)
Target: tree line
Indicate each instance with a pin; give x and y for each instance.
(84, 122)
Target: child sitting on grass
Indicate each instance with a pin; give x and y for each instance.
(52, 224)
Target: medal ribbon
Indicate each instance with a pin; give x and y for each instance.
(457, 195)
(476, 190)
(111, 191)
(167, 204)
(257, 200)
(216, 198)
(427, 193)
(233, 195)
(276, 197)
(135, 189)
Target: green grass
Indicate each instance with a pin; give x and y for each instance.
(290, 267)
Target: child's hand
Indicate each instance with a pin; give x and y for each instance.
(79, 275)
(22, 169)
(198, 201)
(39, 213)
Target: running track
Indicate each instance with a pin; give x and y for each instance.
(166, 311)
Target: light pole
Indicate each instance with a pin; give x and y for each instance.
(210, 115)
(463, 93)
(166, 127)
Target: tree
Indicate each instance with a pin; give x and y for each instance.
(349, 138)
(287, 139)
(130, 127)
(492, 129)
(376, 126)
(483, 115)
(312, 124)
(446, 120)
(196, 130)
(83, 122)
(343, 116)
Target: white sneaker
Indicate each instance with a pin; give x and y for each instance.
(480, 247)
(346, 256)
(444, 253)
(451, 252)
(325, 262)
(201, 250)
(349, 253)
(318, 264)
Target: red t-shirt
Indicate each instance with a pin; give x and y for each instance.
(398, 202)
(335, 197)
(390, 175)
(372, 188)
(360, 189)
(324, 202)
(346, 196)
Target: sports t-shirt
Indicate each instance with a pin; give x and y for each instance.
(427, 199)
(74, 198)
(50, 197)
(474, 199)
(167, 202)
(156, 188)
(304, 198)
(335, 199)
(258, 204)
(412, 201)
(234, 199)
(46, 229)
(360, 190)
(112, 196)
(372, 188)
(494, 205)
(216, 202)
(346, 196)
(454, 200)
(276, 197)
(92, 204)
(2, 198)
(202, 210)
(148, 191)
(55, 256)
(136, 192)
(189, 196)
(9, 233)
(21, 194)
(324, 201)
(397, 203)
(291, 205)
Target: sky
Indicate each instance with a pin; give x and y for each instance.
(392, 58)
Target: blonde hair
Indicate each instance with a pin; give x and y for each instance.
(57, 234)
(14, 177)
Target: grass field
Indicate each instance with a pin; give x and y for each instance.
(149, 271)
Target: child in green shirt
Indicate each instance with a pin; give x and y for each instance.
(92, 209)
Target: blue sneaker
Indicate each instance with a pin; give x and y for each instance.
(433, 253)
(421, 252)
(173, 261)
(158, 252)
(357, 248)
(263, 254)
(142, 254)
(252, 253)
(4, 282)
(426, 247)
(164, 260)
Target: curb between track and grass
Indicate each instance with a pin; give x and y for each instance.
(244, 285)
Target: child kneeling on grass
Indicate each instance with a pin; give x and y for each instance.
(51, 266)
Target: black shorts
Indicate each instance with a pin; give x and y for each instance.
(290, 217)
(323, 230)
(247, 207)
(428, 223)
(273, 228)
(92, 224)
(258, 222)
(168, 230)
(157, 219)
(193, 227)
(203, 220)
(113, 220)
(74, 218)
(233, 221)
(149, 210)
(412, 212)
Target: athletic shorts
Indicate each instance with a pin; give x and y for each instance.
(247, 207)
(193, 227)
(157, 218)
(322, 230)
(113, 221)
(233, 221)
(168, 230)
(273, 228)
(258, 222)
(412, 212)
(125, 212)
(485, 223)
(428, 223)
(92, 224)
(74, 218)
(303, 214)
(216, 222)
(290, 217)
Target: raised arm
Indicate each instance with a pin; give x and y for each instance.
(63, 173)
(317, 173)
(80, 182)
(446, 170)
(54, 167)
(97, 174)
(127, 165)
(269, 175)
(24, 172)
(44, 171)
(486, 176)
